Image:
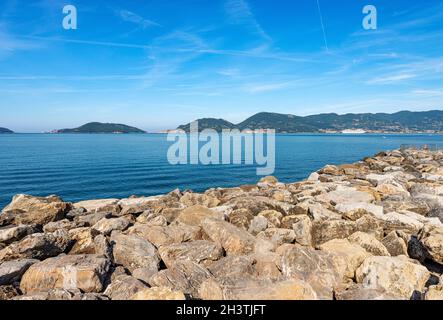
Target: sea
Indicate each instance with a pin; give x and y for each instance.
(92, 166)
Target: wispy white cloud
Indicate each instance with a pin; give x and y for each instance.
(428, 92)
(9, 44)
(260, 88)
(132, 17)
(230, 72)
(239, 12)
(391, 79)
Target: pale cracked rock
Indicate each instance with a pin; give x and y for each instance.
(241, 218)
(345, 195)
(106, 226)
(56, 225)
(133, 252)
(434, 292)
(431, 238)
(123, 287)
(85, 272)
(303, 230)
(258, 224)
(87, 241)
(37, 246)
(197, 251)
(277, 235)
(369, 243)
(192, 199)
(232, 266)
(95, 205)
(184, 275)
(166, 235)
(12, 271)
(89, 220)
(398, 221)
(252, 289)
(323, 270)
(273, 217)
(25, 209)
(13, 233)
(195, 215)
(373, 209)
(395, 244)
(231, 238)
(158, 293)
(144, 274)
(268, 180)
(359, 292)
(399, 276)
(353, 253)
(323, 231)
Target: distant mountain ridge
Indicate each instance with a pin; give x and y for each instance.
(403, 121)
(98, 127)
(5, 130)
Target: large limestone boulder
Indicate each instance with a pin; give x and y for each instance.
(197, 251)
(106, 226)
(184, 275)
(123, 287)
(345, 194)
(88, 220)
(166, 235)
(194, 215)
(232, 266)
(191, 199)
(257, 224)
(347, 207)
(12, 271)
(431, 238)
(25, 209)
(398, 221)
(13, 233)
(323, 270)
(303, 230)
(274, 218)
(37, 246)
(254, 289)
(240, 218)
(277, 235)
(87, 241)
(353, 254)
(231, 238)
(158, 293)
(359, 292)
(399, 276)
(95, 205)
(61, 224)
(369, 243)
(323, 231)
(133, 252)
(85, 272)
(395, 244)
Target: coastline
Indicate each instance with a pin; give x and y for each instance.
(347, 232)
(281, 133)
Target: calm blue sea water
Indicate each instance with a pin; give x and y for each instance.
(79, 167)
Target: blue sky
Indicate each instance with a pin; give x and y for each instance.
(157, 64)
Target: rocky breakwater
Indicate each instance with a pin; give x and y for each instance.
(368, 230)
